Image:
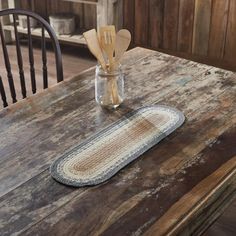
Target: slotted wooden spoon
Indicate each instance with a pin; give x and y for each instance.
(107, 35)
(94, 46)
(107, 42)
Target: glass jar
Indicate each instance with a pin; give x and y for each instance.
(109, 87)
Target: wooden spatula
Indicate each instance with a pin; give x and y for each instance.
(94, 46)
(123, 39)
(107, 41)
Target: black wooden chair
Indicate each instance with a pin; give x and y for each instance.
(58, 58)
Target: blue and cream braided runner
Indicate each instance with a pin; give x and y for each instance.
(103, 155)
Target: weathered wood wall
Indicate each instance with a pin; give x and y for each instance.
(201, 30)
(204, 30)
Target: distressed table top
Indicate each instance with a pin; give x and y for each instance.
(187, 179)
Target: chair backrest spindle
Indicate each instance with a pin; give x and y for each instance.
(31, 57)
(19, 59)
(8, 66)
(44, 59)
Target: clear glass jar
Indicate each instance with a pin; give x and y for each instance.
(109, 87)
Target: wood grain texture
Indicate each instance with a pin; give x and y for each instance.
(226, 177)
(90, 16)
(25, 4)
(201, 26)
(203, 30)
(225, 225)
(128, 17)
(40, 7)
(141, 22)
(219, 19)
(230, 46)
(185, 28)
(170, 33)
(78, 10)
(194, 164)
(156, 17)
(55, 6)
(118, 14)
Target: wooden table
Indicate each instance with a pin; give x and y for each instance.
(179, 186)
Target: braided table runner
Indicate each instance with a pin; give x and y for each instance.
(103, 155)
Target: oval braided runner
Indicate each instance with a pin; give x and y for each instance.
(103, 155)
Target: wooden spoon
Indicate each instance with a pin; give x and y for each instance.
(123, 39)
(107, 41)
(94, 46)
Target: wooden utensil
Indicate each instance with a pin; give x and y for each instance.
(94, 46)
(123, 39)
(107, 41)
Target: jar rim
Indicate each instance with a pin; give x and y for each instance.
(115, 72)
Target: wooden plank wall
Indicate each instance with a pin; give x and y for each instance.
(202, 30)
(85, 14)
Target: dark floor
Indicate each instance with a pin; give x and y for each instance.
(75, 60)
